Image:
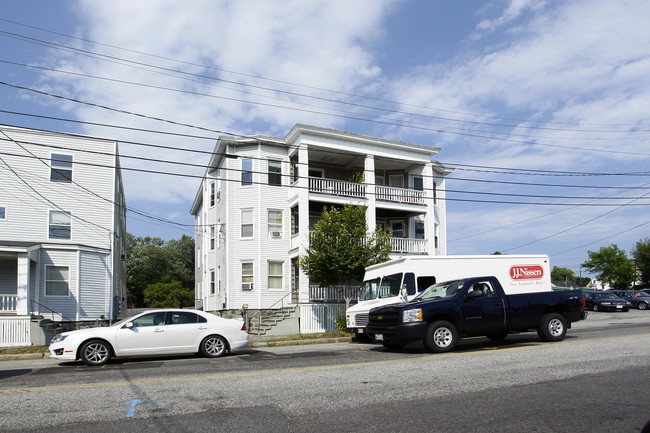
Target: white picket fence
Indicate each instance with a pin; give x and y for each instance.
(15, 331)
(316, 318)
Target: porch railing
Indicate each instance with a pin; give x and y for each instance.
(344, 188)
(337, 187)
(332, 293)
(399, 195)
(8, 303)
(408, 245)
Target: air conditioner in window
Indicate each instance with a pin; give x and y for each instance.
(276, 235)
(247, 286)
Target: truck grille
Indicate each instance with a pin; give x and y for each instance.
(361, 319)
(385, 318)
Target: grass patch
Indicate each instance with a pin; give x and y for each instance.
(19, 350)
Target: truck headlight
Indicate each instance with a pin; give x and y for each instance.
(414, 315)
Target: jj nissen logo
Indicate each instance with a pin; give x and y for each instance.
(526, 272)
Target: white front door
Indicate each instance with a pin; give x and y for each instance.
(148, 336)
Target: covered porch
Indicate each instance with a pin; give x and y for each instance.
(18, 276)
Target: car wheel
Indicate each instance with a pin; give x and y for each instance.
(552, 328)
(642, 306)
(95, 352)
(214, 346)
(441, 337)
(595, 307)
(497, 336)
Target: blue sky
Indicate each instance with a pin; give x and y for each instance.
(540, 106)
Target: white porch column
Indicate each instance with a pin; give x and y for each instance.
(369, 180)
(430, 216)
(22, 286)
(303, 216)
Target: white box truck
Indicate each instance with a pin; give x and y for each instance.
(401, 279)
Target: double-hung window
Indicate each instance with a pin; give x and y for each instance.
(3, 213)
(275, 223)
(212, 236)
(60, 225)
(246, 172)
(247, 223)
(275, 275)
(275, 172)
(247, 276)
(57, 281)
(212, 194)
(212, 285)
(61, 168)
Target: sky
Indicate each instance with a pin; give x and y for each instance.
(540, 107)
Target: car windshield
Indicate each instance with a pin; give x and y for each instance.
(605, 296)
(369, 290)
(448, 289)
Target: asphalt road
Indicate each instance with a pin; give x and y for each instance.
(596, 380)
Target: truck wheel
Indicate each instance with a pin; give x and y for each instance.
(441, 337)
(552, 328)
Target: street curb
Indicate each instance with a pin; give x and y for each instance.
(23, 356)
(300, 342)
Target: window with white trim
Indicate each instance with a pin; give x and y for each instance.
(60, 225)
(212, 277)
(212, 193)
(418, 183)
(212, 237)
(3, 213)
(275, 172)
(275, 223)
(246, 172)
(247, 223)
(247, 275)
(275, 275)
(57, 280)
(60, 168)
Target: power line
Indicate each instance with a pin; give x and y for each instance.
(209, 67)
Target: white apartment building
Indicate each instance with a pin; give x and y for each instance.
(261, 196)
(62, 232)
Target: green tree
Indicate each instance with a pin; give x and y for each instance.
(641, 254)
(151, 260)
(168, 295)
(340, 248)
(562, 274)
(611, 265)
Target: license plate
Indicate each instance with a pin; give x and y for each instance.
(360, 331)
(619, 306)
(379, 337)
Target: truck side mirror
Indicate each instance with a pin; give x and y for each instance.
(473, 294)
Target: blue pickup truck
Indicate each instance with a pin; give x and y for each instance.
(478, 306)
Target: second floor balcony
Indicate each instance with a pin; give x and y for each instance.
(342, 188)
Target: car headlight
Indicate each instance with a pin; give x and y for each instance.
(414, 315)
(58, 338)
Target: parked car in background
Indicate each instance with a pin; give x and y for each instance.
(605, 301)
(638, 299)
(154, 332)
(645, 291)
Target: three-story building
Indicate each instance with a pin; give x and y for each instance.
(262, 195)
(62, 231)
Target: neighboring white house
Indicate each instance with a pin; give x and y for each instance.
(261, 196)
(62, 229)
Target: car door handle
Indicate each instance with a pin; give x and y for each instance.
(159, 330)
(202, 328)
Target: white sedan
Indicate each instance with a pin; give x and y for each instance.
(154, 332)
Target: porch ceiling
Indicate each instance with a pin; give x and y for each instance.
(349, 160)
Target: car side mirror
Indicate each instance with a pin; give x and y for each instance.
(128, 325)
